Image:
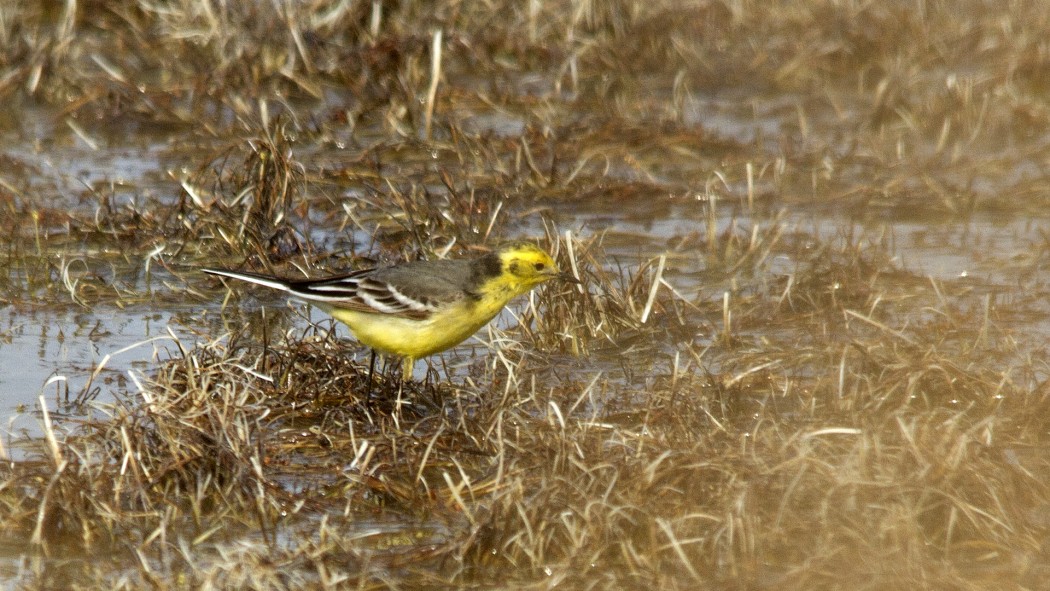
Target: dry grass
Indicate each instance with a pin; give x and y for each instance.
(733, 398)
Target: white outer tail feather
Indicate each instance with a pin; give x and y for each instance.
(271, 282)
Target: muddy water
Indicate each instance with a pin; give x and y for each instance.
(57, 348)
(54, 348)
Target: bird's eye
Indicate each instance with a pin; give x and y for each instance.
(539, 266)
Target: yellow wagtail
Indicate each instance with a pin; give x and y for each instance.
(416, 309)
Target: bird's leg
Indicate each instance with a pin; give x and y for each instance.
(406, 369)
(406, 375)
(371, 372)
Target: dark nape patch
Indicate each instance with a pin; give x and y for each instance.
(488, 266)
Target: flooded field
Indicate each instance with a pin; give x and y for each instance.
(808, 348)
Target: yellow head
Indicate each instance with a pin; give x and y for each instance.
(524, 265)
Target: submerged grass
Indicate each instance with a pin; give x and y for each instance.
(730, 399)
(857, 445)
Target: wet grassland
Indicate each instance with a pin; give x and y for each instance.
(808, 349)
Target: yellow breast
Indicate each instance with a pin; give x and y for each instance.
(416, 338)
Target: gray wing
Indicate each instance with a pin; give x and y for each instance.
(412, 290)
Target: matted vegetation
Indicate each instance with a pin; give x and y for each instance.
(760, 383)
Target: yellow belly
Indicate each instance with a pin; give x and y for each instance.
(415, 339)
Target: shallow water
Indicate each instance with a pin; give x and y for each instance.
(62, 356)
(44, 353)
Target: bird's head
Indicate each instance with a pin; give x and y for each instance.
(526, 265)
